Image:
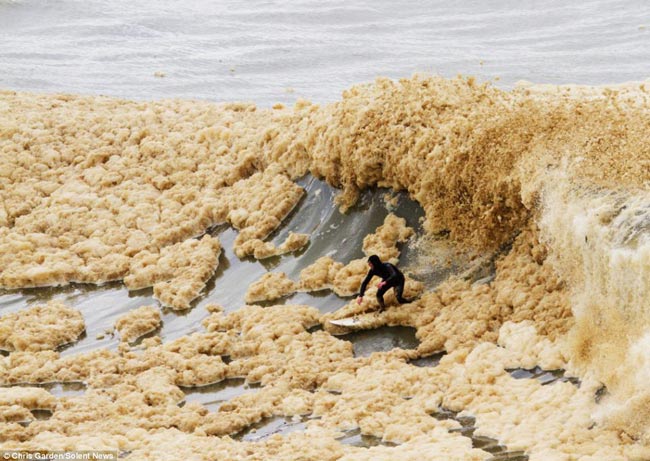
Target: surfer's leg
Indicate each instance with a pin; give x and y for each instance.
(380, 296)
(399, 290)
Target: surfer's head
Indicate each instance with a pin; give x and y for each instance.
(374, 261)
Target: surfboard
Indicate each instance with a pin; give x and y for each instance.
(356, 321)
(346, 322)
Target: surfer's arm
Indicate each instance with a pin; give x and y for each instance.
(364, 284)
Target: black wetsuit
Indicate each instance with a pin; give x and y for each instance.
(389, 274)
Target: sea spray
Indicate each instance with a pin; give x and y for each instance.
(601, 246)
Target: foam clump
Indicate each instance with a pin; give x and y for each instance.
(16, 403)
(272, 285)
(383, 242)
(258, 205)
(39, 328)
(178, 273)
(32, 398)
(138, 322)
(264, 250)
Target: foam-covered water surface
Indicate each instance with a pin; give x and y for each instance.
(527, 272)
(332, 233)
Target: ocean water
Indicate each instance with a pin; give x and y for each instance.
(279, 51)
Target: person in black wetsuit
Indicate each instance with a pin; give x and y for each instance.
(391, 277)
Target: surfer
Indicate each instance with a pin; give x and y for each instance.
(391, 277)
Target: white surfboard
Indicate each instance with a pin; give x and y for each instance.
(346, 322)
(356, 321)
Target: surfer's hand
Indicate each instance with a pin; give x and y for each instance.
(381, 284)
(359, 299)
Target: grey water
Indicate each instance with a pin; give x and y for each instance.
(279, 51)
